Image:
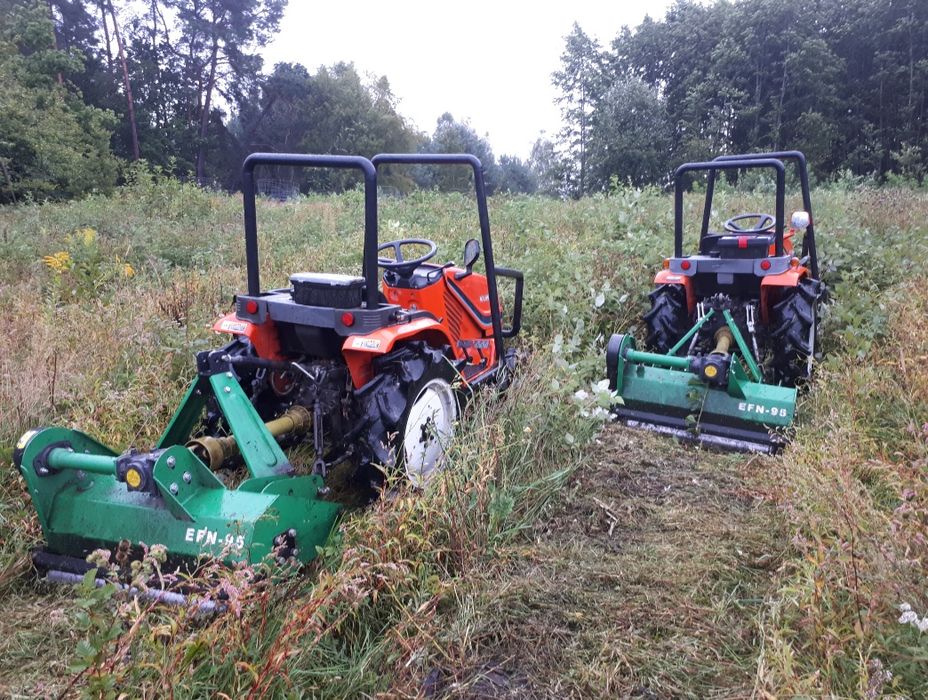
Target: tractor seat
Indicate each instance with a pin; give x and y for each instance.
(327, 289)
(739, 246)
(423, 276)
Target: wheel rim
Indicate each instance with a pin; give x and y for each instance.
(428, 429)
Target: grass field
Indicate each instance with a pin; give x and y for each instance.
(558, 557)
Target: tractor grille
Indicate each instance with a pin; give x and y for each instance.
(453, 312)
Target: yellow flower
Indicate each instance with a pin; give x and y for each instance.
(59, 262)
(128, 270)
(88, 236)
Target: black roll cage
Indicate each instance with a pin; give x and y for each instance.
(368, 169)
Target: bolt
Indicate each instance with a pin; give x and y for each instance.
(171, 461)
(42, 471)
(228, 390)
(279, 539)
(81, 475)
(187, 478)
(229, 375)
(294, 552)
(291, 532)
(174, 489)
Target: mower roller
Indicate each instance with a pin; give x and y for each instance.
(733, 328)
(368, 376)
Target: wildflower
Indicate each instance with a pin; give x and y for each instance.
(59, 262)
(128, 270)
(88, 236)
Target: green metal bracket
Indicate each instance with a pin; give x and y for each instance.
(743, 347)
(186, 416)
(690, 333)
(181, 477)
(262, 455)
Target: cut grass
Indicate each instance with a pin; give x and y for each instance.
(645, 579)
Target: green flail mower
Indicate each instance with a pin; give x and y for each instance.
(363, 377)
(733, 329)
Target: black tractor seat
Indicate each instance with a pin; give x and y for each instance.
(423, 276)
(736, 245)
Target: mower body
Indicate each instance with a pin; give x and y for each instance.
(733, 327)
(365, 374)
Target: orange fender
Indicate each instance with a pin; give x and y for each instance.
(771, 285)
(360, 350)
(263, 336)
(668, 277)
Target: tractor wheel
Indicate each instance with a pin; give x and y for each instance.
(794, 334)
(668, 319)
(427, 424)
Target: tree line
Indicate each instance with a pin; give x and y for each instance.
(88, 86)
(845, 81)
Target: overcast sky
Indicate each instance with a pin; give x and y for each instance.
(486, 62)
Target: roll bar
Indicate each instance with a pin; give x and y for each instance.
(732, 164)
(369, 265)
(482, 212)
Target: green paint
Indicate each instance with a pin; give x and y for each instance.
(691, 332)
(82, 506)
(259, 449)
(742, 346)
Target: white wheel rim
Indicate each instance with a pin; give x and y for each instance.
(428, 429)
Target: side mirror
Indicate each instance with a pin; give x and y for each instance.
(471, 256)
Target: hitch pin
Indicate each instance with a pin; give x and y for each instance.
(749, 320)
(700, 312)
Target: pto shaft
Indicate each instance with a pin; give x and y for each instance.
(215, 451)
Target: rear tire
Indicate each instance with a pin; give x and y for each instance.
(668, 319)
(794, 335)
(427, 425)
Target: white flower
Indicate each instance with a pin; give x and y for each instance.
(908, 617)
(922, 624)
(904, 607)
(581, 395)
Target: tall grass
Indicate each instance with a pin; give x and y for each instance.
(95, 348)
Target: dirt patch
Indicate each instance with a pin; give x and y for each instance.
(645, 579)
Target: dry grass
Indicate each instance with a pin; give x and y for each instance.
(540, 566)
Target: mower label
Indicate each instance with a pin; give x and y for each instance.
(24, 440)
(233, 326)
(206, 537)
(745, 407)
(365, 344)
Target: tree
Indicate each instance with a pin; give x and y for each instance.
(630, 136)
(333, 111)
(580, 81)
(52, 145)
(452, 136)
(219, 42)
(516, 177)
(550, 169)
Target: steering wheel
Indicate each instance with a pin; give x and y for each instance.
(398, 264)
(764, 223)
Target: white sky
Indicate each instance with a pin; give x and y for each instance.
(489, 63)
